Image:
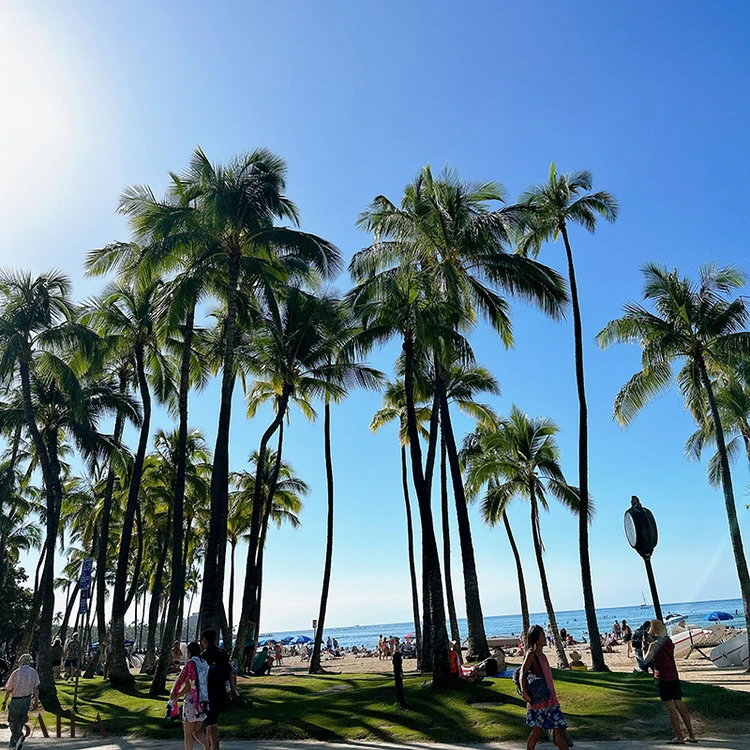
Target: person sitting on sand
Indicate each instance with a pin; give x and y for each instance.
(455, 660)
(576, 663)
(661, 654)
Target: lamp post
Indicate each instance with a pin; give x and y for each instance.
(641, 532)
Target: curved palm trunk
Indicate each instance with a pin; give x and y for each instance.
(597, 654)
(315, 666)
(51, 475)
(539, 551)
(119, 674)
(230, 614)
(149, 661)
(101, 554)
(177, 584)
(412, 567)
(519, 571)
(438, 635)
(36, 605)
(136, 578)
(452, 618)
(211, 613)
(735, 534)
(63, 632)
(478, 648)
(250, 592)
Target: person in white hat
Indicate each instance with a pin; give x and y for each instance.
(22, 686)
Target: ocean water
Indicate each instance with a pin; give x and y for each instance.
(574, 621)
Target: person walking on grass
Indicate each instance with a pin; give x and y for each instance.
(627, 637)
(542, 706)
(219, 673)
(660, 656)
(192, 684)
(22, 686)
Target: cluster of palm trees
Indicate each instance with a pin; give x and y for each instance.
(218, 280)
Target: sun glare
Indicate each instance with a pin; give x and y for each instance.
(35, 128)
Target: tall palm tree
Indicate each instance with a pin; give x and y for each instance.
(281, 495)
(38, 334)
(702, 329)
(522, 459)
(458, 381)
(239, 203)
(394, 409)
(472, 447)
(550, 209)
(341, 371)
(129, 311)
(289, 353)
(446, 231)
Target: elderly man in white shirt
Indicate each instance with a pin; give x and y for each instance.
(22, 686)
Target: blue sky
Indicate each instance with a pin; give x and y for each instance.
(357, 97)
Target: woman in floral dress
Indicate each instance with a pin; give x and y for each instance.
(546, 714)
(192, 685)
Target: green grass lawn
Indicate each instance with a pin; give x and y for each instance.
(346, 707)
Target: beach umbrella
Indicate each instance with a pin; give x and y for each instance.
(288, 639)
(267, 642)
(716, 616)
(302, 639)
(408, 636)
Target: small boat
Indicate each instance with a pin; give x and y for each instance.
(731, 653)
(644, 605)
(693, 638)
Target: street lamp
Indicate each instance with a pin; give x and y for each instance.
(641, 532)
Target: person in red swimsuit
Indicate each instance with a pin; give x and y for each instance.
(660, 656)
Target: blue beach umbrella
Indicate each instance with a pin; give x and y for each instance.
(267, 642)
(302, 639)
(288, 639)
(716, 616)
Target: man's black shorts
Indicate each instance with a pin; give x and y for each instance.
(670, 690)
(214, 708)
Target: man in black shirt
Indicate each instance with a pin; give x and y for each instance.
(219, 673)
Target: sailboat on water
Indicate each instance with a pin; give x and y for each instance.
(645, 603)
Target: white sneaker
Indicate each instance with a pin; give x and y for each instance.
(20, 742)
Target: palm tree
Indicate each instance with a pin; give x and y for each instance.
(698, 326)
(394, 408)
(445, 231)
(522, 459)
(341, 371)
(289, 352)
(281, 495)
(38, 335)
(472, 447)
(550, 208)
(238, 203)
(732, 391)
(129, 312)
(458, 381)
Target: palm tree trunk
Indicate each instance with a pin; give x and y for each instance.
(412, 567)
(36, 606)
(149, 662)
(135, 580)
(735, 534)
(68, 609)
(101, 556)
(119, 674)
(315, 666)
(177, 584)
(452, 617)
(438, 635)
(478, 648)
(230, 614)
(539, 551)
(51, 475)
(249, 595)
(519, 570)
(597, 654)
(213, 566)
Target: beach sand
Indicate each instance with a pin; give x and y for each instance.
(693, 669)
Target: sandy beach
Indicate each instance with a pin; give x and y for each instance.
(693, 669)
